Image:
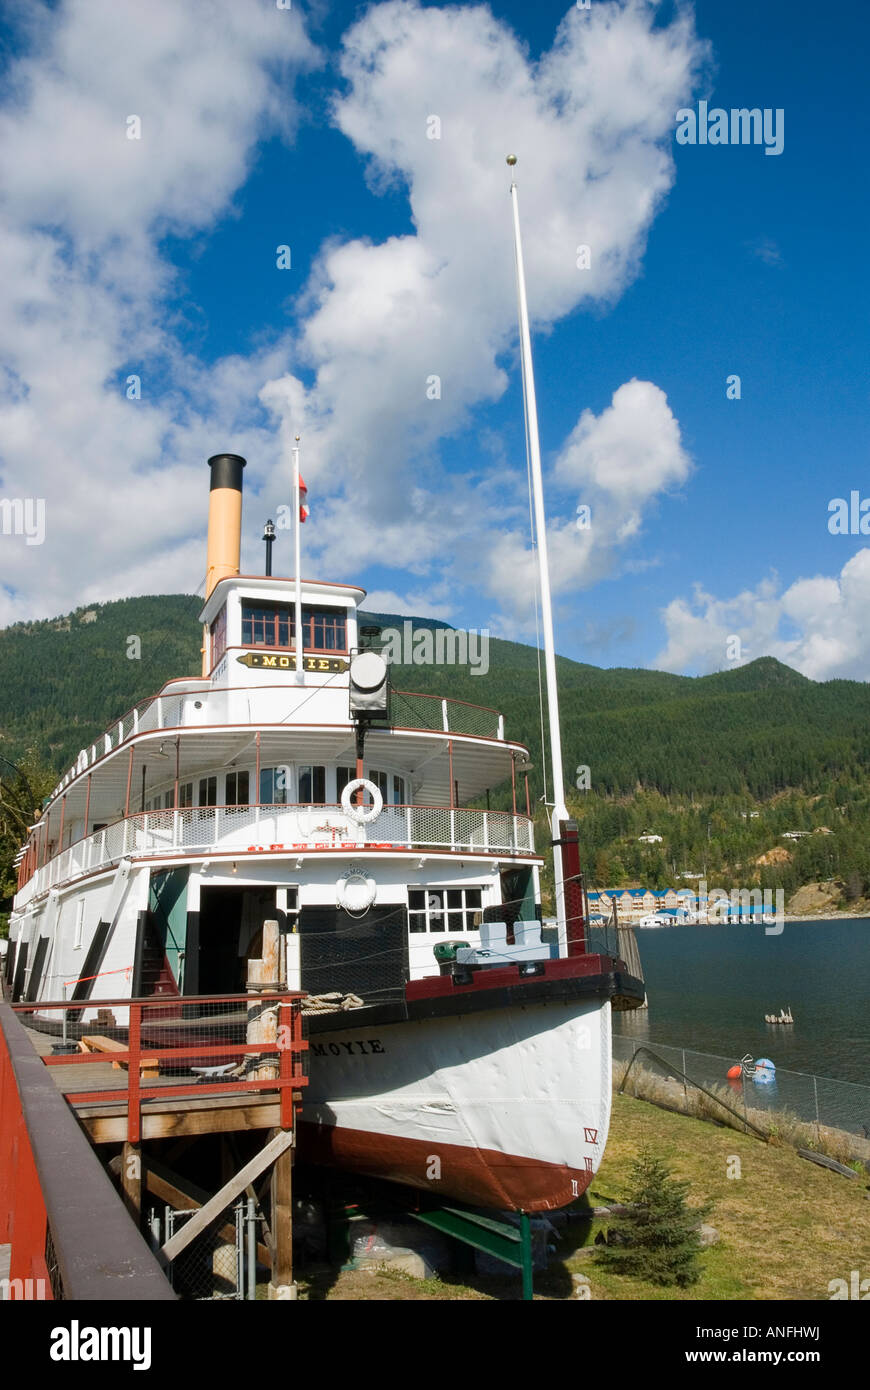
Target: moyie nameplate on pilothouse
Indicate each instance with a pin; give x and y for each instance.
(273, 661)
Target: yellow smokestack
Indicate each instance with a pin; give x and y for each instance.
(224, 526)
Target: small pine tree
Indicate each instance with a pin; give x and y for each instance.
(659, 1239)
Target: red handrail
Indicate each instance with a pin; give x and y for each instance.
(290, 1076)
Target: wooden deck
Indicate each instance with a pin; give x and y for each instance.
(106, 1122)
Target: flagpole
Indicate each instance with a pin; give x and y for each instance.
(297, 513)
(560, 810)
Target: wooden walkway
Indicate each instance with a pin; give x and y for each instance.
(106, 1122)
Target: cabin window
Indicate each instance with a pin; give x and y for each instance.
(238, 789)
(219, 636)
(208, 791)
(274, 624)
(443, 909)
(312, 786)
(168, 801)
(185, 794)
(273, 786)
(80, 921)
(399, 791)
(380, 780)
(343, 775)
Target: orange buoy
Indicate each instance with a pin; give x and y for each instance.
(734, 1072)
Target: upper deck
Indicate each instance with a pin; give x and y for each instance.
(200, 765)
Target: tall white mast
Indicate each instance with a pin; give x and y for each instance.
(297, 563)
(560, 810)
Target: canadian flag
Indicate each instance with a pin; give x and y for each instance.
(304, 510)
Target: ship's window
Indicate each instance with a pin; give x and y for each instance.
(208, 791)
(312, 786)
(443, 909)
(80, 919)
(343, 775)
(399, 791)
(168, 800)
(325, 629)
(380, 780)
(219, 636)
(273, 625)
(185, 794)
(267, 625)
(238, 793)
(273, 786)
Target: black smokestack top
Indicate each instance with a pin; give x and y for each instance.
(226, 471)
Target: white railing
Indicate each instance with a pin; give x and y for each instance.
(265, 829)
(279, 704)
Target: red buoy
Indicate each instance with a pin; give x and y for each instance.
(734, 1073)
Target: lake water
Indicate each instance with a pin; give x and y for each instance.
(709, 988)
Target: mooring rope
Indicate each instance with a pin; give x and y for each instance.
(332, 1003)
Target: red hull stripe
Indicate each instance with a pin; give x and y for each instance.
(481, 1177)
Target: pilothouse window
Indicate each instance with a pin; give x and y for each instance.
(273, 625)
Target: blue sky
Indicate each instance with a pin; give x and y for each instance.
(261, 128)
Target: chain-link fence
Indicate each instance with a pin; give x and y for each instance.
(802, 1108)
(220, 1263)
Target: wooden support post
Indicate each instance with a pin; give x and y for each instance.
(263, 1017)
(131, 1180)
(215, 1205)
(281, 1285)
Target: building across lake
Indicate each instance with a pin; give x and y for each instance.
(637, 902)
(679, 906)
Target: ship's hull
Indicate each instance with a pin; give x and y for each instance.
(504, 1107)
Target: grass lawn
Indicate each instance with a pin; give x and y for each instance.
(786, 1226)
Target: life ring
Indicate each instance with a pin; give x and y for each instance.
(363, 815)
(355, 891)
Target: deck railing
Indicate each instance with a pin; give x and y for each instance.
(278, 704)
(191, 1046)
(69, 1234)
(272, 829)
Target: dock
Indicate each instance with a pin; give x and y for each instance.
(65, 1229)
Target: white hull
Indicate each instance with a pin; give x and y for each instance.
(505, 1107)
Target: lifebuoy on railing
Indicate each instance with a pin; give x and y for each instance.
(363, 815)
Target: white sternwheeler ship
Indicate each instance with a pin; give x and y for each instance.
(290, 783)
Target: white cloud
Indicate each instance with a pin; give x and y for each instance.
(84, 291)
(615, 464)
(829, 616)
(632, 450)
(591, 123)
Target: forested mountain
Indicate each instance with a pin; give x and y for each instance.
(689, 758)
